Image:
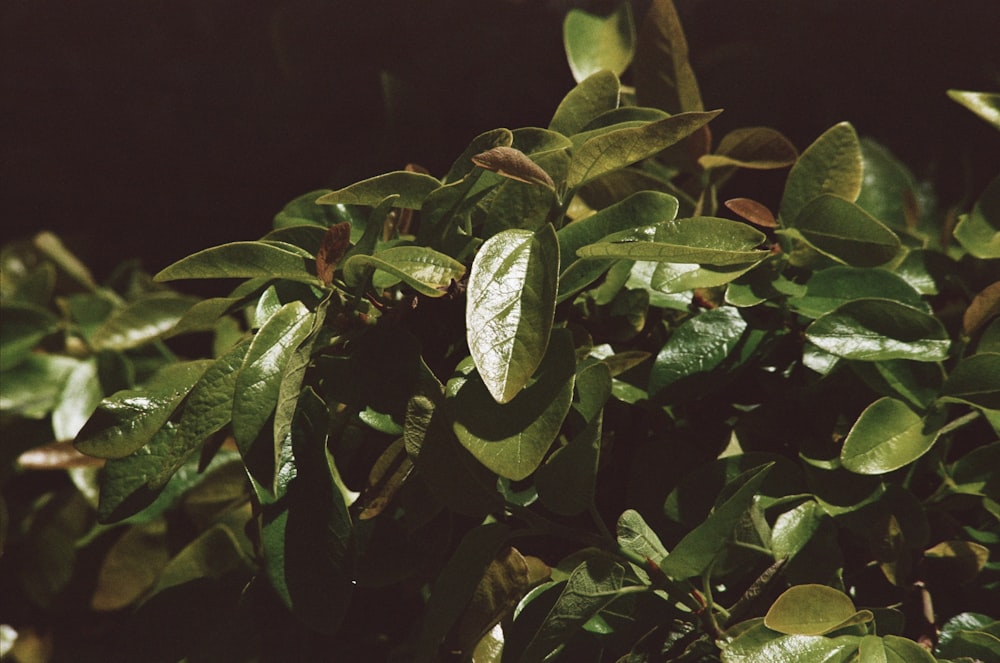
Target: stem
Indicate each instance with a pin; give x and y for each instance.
(753, 547)
(964, 420)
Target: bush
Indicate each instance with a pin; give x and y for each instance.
(467, 416)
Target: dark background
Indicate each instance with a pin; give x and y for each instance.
(154, 128)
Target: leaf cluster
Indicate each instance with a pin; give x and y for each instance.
(551, 404)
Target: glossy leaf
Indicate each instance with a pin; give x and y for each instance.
(794, 528)
(595, 43)
(845, 232)
(829, 288)
(78, 400)
(975, 380)
(889, 191)
(510, 307)
(877, 329)
(809, 610)
(425, 270)
(698, 549)
(832, 164)
(636, 537)
(411, 187)
(761, 645)
(259, 377)
(512, 438)
(888, 435)
(915, 381)
(303, 210)
(664, 78)
(32, 388)
(759, 148)
(979, 231)
(141, 321)
(22, 327)
(242, 260)
(127, 420)
(697, 347)
(984, 104)
(610, 151)
(702, 240)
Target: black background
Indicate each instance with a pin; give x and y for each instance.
(152, 129)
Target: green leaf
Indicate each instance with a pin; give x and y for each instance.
(984, 104)
(454, 586)
(888, 435)
(973, 473)
(975, 380)
(32, 388)
(595, 43)
(463, 164)
(22, 327)
(674, 277)
(127, 420)
(412, 188)
(979, 231)
(510, 307)
(703, 240)
(664, 78)
(590, 588)
(636, 537)
(696, 552)
(141, 321)
(794, 528)
(512, 438)
(80, 396)
(889, 190)
(425, 270)
(610, 151)
(759, 148)
(263, 367)
(877, 329)
(303, 210)
(809, 610)
(916, 381)
(566, 482)
(697, 347)
(829, 288)
(843, 231)
(243, 260)
(306, 528)
(761, 645)
(832, 164)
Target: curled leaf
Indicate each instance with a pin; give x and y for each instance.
(335, 243)
(513, 163)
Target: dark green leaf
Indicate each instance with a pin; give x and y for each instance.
(412, 188)
(829, 288)
(304, 210)
(595, 43)
(636, 537)
(759, 148)
(878, 329)
(843, 231)
(32, 388)
(664, 78)
(425, 270)
(593, 96)
(80, 396)
(697, 347)
(888, 435)
(889, 190)
(793, 529)
(243, 260)
(127, 420)
(616, 149)
(832, 164)
(512, 438)
(22, 327)
(141, 321)
(979, 231)
(698, 549)
(975, 380)
(510, 307)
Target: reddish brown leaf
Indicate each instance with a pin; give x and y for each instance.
(387, 476)
(984, 306)
(335, 244)
(752, 211)
(56, 456)
(503, 584)
(513, 163)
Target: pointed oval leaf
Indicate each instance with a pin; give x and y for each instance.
(332, 248)
(984, 104)
(753, 211)
(877, 329)
(463, 165)
(427, 271)
(616, 149)
(832, 164)
(242, 260)
(664, 78)
(975, 380)
(597, 94)
(843, 231)
(699, 240)
(512, 438)
(635, 536)
(809, 610)
(510, 307)
(127, 420)
(412, 188)
(259, 378)
(759, 148)
(888, 435)
(595, 43)
(979, 231)
(832, 287)
(141, 321)
(984, 307)
(697, 347)
(513, 163)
